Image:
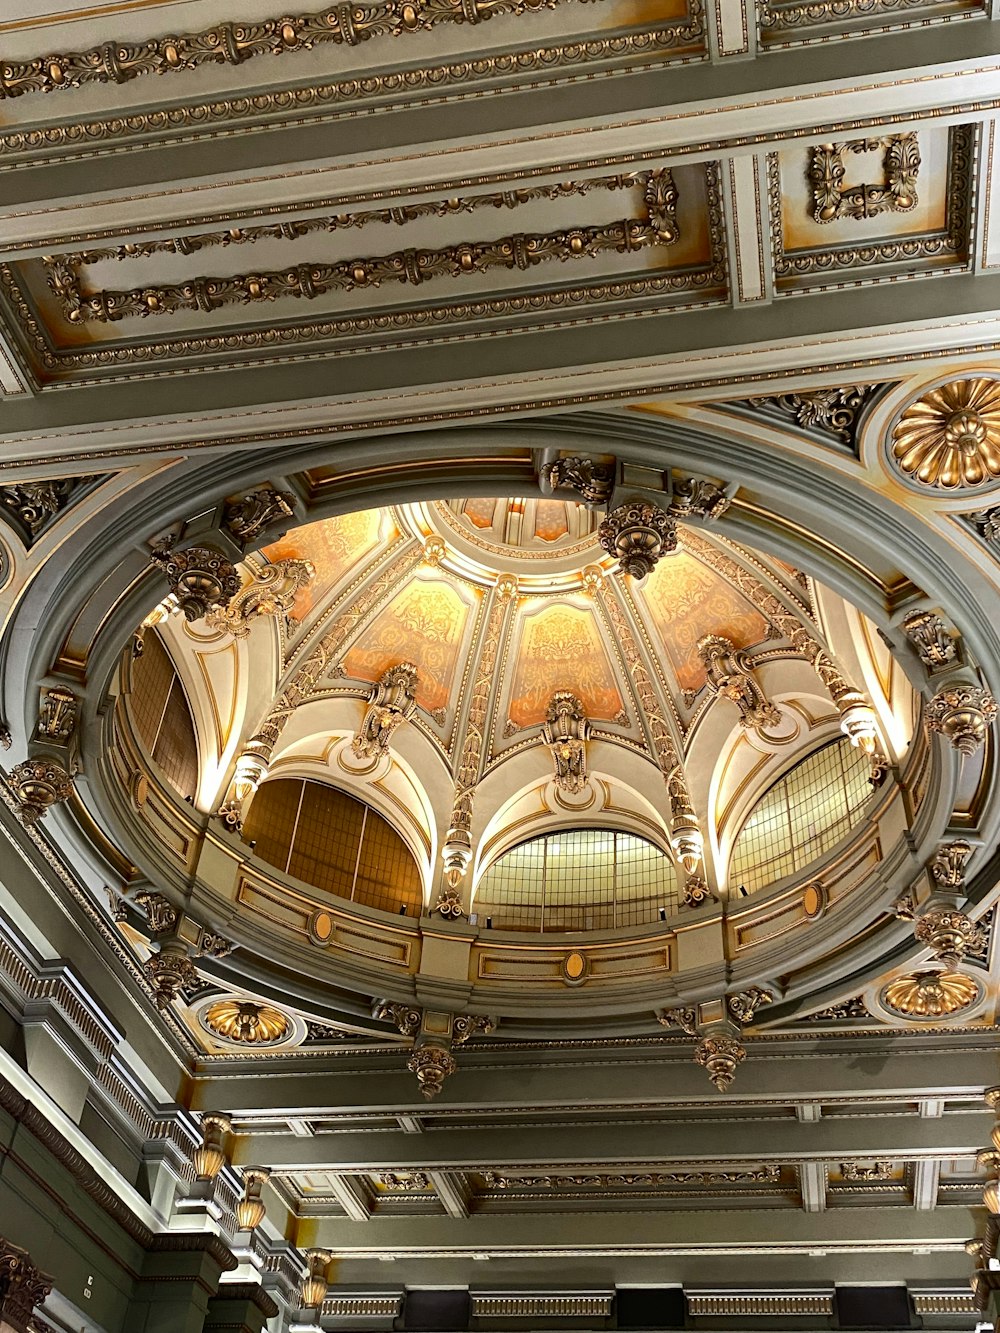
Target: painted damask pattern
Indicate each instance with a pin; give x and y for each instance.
(423, 624)
(688, 600)
(560, 648)
(333, 546)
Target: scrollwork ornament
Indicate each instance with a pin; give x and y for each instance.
(720, 1056)
(683, 1016)
(962, 713)
(565, 732)
(405, 1017)
(38, 785)
(934, 643)
(57, 716)
(638, 534)
(743, 1005)
(592, 480)
(200, 577)
(696, 891)
(271, 593)
(248, 518)
(160, 912)
(948, 934)
(22, 1285)
(169, 972)
(432, 1065)
(449, 903)
(948, 864)
(392, 701)
(465, 1026)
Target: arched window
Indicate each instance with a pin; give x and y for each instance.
(577, 879)
(327, 838)
(161, 715)
(801, 817)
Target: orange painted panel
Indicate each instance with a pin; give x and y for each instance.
(334, 546)
(560, 648)
(423, 624)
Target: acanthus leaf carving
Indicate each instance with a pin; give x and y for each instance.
(271, 592)
(392, 701)
(565, 732)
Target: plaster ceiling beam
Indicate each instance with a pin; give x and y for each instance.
(891, 1230)
(616, 360)
(449, 1190)
(835, 1138)
(945, 71)
(751, 267)
(926, 1178)
(662, 1076)
(351, 1197)
(812, 1186)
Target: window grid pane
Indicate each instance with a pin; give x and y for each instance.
(580, 879)
(802, 816)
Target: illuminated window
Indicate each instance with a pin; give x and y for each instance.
(327, 838)
(801, 817)
(162, 717)
(580, 879)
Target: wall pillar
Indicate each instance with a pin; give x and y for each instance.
(239, 1307)
(180, 1275)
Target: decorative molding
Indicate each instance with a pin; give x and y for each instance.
(963, 714)
(565, 732)
(541, 1307)
(833, 412)
(616, 1179)
(271, 592)
(306, 281)
(406, 1182)
(392, 701)
(361, 1307)
(739, 1305)
(833, 199)
(863, 1172)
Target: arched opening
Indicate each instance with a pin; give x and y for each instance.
(331, 840)
(162, 717)
(577, 879)
(801, 816)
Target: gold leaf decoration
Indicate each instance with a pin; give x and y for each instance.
(246, 1022)
(931, 994)
(950, 438)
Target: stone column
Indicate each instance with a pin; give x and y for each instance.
(239, 1307)
(180, 1276)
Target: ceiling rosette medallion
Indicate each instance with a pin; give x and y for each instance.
(926, 995)
(949, 439)
(246, 1022)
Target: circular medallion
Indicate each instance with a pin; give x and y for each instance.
(246, 1022)
(813, 900)
(574, 968)
(949, 439)
(930, 995)
(321, 927)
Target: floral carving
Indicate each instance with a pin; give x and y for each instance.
(200, 577)
(248, 518)
(22, 1286)
(449, 903)
(638, 534)
(962, 713)
(720, 1056)
(566, 731)
(729, 675)
(934, 643)
(896, 193)
(271, 593)
(432, 1065)
(391, 702)
(950, 438)
(38, 785)
(590, 479)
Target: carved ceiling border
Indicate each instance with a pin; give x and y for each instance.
(710, 279)
(656, 226)
(117, 63)
(953, 242)
(683, 40)
(776, 18)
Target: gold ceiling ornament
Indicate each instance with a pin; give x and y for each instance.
(57, 715)
(947, 865)
(210, 1157)
(39, 784)
(168, 973)
(962, 713)
(686, 839)
(432, 1065)
(246, 1022)
(896, 193)
(271, 592)
(720, 1056)
(565, 732)
(743, 1005)
(449, 903)
(200, 577)
(948, 933)
(926, 995)
(729, 675)
(248, 518)
(934, 642)
(250, 1210)
(233, 43)
(392, 701)
(592, 479)
(314, 1287)
(638, 534)
(950, 438)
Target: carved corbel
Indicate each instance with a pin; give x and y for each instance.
(935, 644)
(39, 784)
(200, 577)
(407, 1018)
(590, 478)
(248, 518)
(23, 1287)
(160, 913)
(465, 1026)
(449, 903)
(696, 891)
(683, 1017)
(432, 1065)
(962, 713)
(392, 701)
(566, 731)
(169, 972)
(57, 716)
(948, 863)
(720, 1055)
(271, 593)
(743, 1005)
(729, 675)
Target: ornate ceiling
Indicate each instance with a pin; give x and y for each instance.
(352, 327)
